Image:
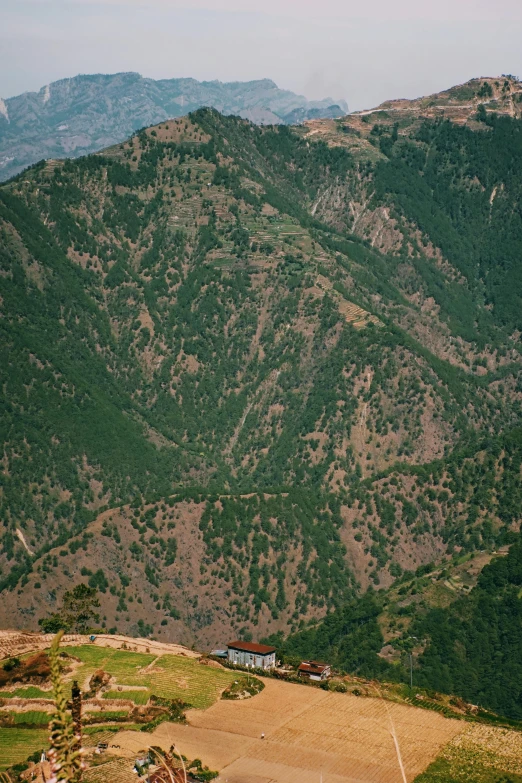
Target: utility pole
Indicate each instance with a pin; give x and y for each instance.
(411, 639)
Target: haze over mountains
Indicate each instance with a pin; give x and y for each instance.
(250, 371)
(72, 117)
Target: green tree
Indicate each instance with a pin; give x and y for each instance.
(77, 612)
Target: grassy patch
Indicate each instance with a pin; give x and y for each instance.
(97, 733)
(138, 697)
(444, 771)
(122, 664)
(176, 677)
(31, 718)
(243, 688)
(103, 716)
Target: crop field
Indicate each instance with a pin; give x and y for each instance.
(92, 735)
(308, 733)
(30, 692)
(117, 771)
(122, 664)
(31, 718)
(138, 697)
(170, 676)
(17, 744)
(175, 677)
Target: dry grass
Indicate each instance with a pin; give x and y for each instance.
(308, 732)
(489, 746)
(115, 771)
(482, 754)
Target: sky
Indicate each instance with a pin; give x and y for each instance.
(365, 52)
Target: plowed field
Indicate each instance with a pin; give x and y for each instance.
(308, 733)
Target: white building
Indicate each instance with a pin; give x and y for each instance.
(249, 654)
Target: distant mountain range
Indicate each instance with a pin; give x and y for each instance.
(73, 117)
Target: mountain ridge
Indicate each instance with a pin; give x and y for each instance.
(459, 104)
(89, 112)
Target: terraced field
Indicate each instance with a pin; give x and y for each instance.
(121, 664)
(351, 312)
(31, 692)
(169, 676)
(31, 718)
(93, 735)
(139, 675)
(16, 744)
(286, 734)
(174, 677)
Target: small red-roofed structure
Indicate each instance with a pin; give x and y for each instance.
(314, 670)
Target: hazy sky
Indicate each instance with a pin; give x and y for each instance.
(364, 52)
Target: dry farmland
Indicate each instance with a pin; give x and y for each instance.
(308, 732)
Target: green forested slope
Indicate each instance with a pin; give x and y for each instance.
(469, 648)
(462, 189)
(473, 647)
(470, 645)
(178, 315)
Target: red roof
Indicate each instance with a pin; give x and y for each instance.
(313, 667)
(251, 647)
